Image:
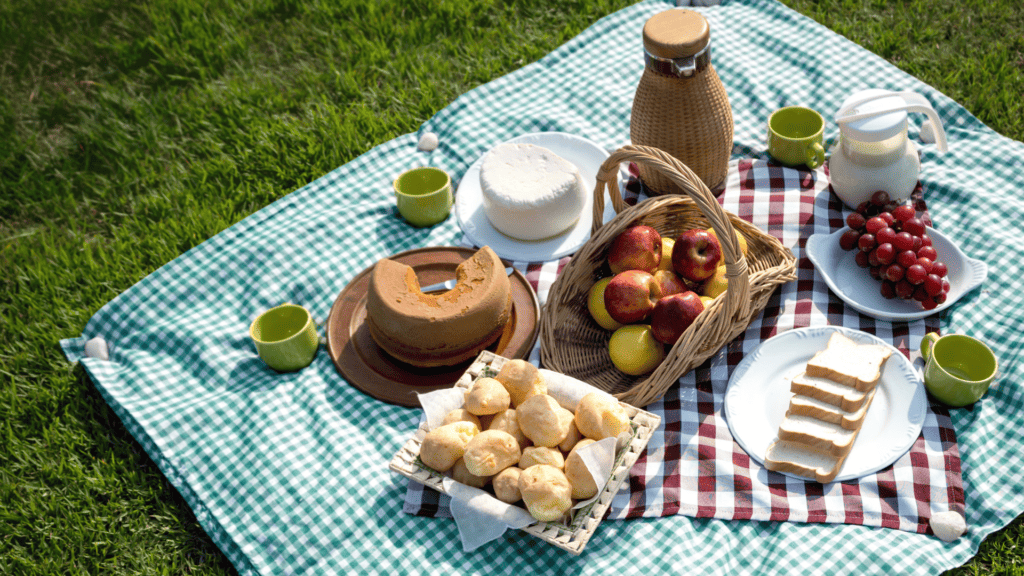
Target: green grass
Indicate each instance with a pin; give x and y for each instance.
(134, 131)
(971, 50)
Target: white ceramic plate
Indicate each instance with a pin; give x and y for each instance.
(858, 289)
(758, 396)
(584, 153)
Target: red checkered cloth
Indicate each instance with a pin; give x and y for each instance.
(692, 465)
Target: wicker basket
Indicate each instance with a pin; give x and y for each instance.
(680, 110)
(691, 119)
(575, 534)
(572, 343)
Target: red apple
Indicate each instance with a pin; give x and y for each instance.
(672, 315)
(635, 248)
(631, 295)
(696, 255)
(670, 283)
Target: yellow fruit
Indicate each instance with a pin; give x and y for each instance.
(717, 284)
(595, 304)
(743, 241)
(634, 350)
(666, 254)
(707, 300)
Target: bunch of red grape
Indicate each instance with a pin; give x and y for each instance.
(892, 243)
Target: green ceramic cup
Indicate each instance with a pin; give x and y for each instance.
(286, 337)
(795, 137)
(958, 369)
(424, 195)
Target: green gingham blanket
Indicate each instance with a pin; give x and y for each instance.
(288, 473)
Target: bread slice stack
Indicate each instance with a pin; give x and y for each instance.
(830, 399)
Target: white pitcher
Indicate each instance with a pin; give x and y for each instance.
(874, 152)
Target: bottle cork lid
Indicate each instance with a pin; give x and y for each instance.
(676, 33)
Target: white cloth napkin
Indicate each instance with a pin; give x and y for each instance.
(481, 517)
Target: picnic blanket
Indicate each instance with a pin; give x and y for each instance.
(288, 473)
(693, 466)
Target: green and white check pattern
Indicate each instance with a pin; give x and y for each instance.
(288, 473)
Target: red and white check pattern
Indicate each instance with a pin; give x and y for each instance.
(693, 466)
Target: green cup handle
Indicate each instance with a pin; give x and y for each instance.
(927, 342)
(815, 155)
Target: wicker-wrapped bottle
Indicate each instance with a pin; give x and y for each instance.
(681, 106)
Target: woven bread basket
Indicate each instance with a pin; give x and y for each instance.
(573, 533)
(574, 344)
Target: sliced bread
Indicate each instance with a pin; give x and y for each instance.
(828, 412)
(827, 409)
(846, 362)
(827, 390)
(820, 425)
(818, 434)
(800, 460)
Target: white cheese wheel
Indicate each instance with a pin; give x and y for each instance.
(529, 192)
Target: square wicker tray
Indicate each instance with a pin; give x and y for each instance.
(575, 535)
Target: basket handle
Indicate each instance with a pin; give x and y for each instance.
(737, 296)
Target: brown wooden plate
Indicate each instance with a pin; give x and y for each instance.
(367, 367)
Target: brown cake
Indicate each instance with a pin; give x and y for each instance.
(439, 329)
